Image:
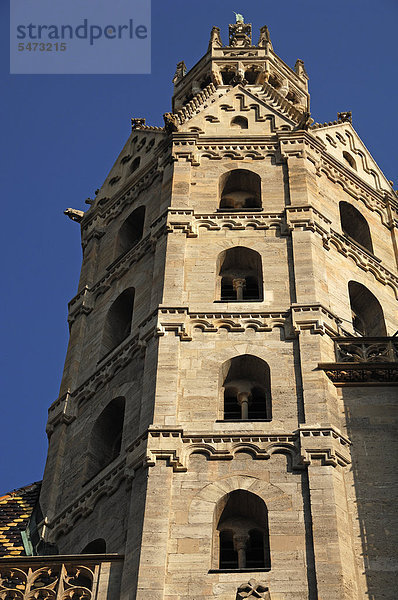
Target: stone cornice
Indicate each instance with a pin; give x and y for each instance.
(297, 142)
(186, 220)
(309, 218)
(193, 149)
(308, 445)
(107, 209)
(363, 260)
(182, 322)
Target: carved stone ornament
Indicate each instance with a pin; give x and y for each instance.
(137, 123)
(253, 589)
(265, 38)
(344, 117)
(74, 215)
(215, 37)
(180, 73)
(305, 122)
(240, 34)
(170, 122)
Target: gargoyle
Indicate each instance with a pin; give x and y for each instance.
(75, 215)
(170, 122)
(305, 122)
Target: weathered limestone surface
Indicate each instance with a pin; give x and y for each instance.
(322, 460)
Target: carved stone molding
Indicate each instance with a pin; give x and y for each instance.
(308, 218)
(253, 589)
(103, 485)
(353, 185)
(83, 303)
(65, 408)
(309, 443)
(105, 210)
(325, 444)
(60, 412)
(183, 323)
(306, 446)
(316, 318)
(193, 152)
(364, 260)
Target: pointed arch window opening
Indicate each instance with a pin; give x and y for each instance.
(105, 440)
(240, 189)
(246, 387)
(118, 322)
(240, 275)
(355, 226)
(366, 311)
(242, 533)
(131, 232)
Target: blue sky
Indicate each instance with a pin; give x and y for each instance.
(60, 135)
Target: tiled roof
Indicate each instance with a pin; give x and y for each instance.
(15, 510)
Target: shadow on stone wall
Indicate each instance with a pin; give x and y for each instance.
(371, 414)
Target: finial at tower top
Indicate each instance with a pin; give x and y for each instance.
(239, 18)
(240, 33)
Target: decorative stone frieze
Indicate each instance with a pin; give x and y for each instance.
(175, 446)
(60, 412)
(102, 214)
(183, 323)
(308, 218)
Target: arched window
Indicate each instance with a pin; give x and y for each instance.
(355, 225)
(242, 534)
(240, 122)
(240, 189)
(246, 386)
(350, 160)
(118, 322)
(367, 313)
(240, 275)
(106, 437)
(136, 163)
(130, 232)
(95, 547)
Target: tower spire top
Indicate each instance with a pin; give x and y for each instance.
(240, 33)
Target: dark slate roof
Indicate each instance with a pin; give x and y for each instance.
(15, 510)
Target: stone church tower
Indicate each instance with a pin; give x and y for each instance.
(225, 421)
